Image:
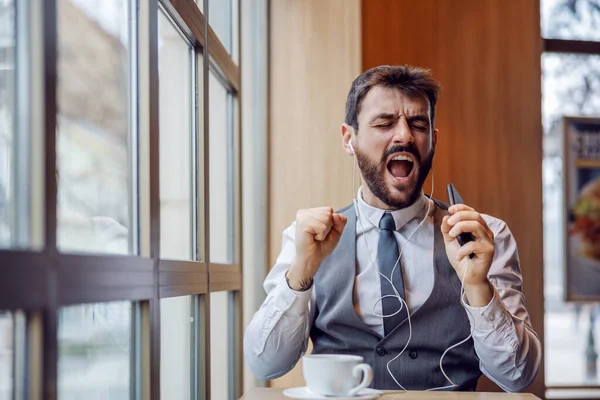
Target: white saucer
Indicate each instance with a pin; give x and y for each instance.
(303, 393)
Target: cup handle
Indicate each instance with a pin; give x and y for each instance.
(367, 372)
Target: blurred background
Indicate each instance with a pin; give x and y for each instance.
(510, 70)
(183, 137)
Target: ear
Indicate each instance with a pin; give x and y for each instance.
(434, 139)
(347, 134)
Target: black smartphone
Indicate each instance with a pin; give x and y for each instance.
(454, 198)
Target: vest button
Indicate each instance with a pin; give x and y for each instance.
(381, 351)
(413, 354)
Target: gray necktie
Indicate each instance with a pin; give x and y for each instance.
(387, 255)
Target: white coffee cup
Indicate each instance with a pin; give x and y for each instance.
(336, 374)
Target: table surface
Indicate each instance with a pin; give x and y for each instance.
(277, 394)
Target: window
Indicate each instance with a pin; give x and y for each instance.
(177, 97)
(573, 20)
(570, 87)
(6, 355)
(20, 161)
(8, 139)
(12, 354)
(96, 196)
(223, 15)
(221, 172)
(94, 345)
(177, 364)
(133, 289)
(179, 182)
(222, 346)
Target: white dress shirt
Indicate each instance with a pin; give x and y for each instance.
(508, 348)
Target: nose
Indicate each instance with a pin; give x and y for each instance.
(402, 134)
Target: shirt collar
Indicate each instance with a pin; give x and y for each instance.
(401, 216)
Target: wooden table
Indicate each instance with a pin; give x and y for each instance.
(277, 394)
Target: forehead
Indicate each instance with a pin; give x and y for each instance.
(393, 101)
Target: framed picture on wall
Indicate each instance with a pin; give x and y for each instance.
(581, 174)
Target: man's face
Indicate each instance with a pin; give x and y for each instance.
(394, 145)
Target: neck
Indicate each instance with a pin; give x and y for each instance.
(375, 201)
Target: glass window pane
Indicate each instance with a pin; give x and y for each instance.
(221, 16)
(94, 351)
(220, 346)
(7, 123)
(221, 172)
(94, 135)
(176, 327)
(176, 121)
(573, 20)
(6, 355)
(21, 174)
(570, 86)
(235, 31)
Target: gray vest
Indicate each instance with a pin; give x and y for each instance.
(439, 323)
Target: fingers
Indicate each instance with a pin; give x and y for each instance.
(323, 212)
(318, 228)
(316, 221)
(445, 225)
(467, 215)
(475, 247)
(339, 222)
(461, 213)
(465, 219)
(473, 227)
(460, 207)
(466, 250)
(446, 229)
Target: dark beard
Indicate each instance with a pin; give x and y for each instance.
(373, 173)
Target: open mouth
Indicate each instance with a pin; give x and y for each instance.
(401, 166)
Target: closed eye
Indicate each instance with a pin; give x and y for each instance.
(419, 127)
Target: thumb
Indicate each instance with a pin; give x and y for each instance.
(445, 228)
(335, 234)
(339, 222)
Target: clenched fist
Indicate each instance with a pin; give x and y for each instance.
(318, 231)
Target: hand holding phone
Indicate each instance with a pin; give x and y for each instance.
(454, 198)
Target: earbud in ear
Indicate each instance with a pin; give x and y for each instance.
(351, 148)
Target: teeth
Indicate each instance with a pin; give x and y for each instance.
(402, 158)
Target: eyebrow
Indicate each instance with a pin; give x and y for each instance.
(383, 116)
(419, 117)
(388, 116)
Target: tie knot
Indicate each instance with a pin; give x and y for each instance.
(387, 222)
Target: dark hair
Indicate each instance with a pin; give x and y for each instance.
(412, 81)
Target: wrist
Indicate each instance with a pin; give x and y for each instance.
(476, 283)
(298, 283)
(303, 267)
(479, 294)
(300, 275)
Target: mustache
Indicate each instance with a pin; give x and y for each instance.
(398, 149)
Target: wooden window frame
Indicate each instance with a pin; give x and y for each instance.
(40, 282)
